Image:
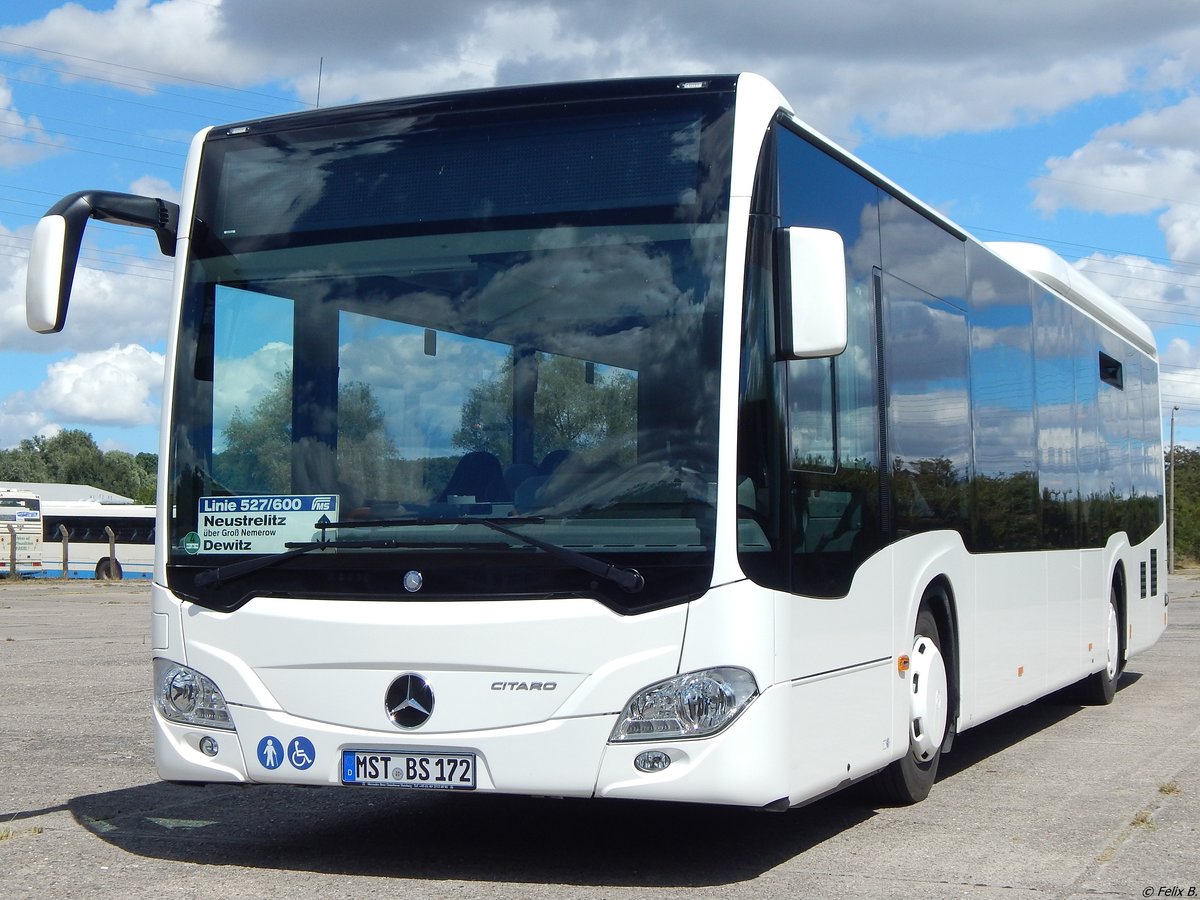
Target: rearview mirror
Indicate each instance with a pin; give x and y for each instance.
(45, 296)
(57, 237)
(810, 268)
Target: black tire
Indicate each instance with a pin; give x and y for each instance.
(1099, 688)
(909, 779)
(103, 573)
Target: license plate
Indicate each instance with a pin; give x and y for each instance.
(409, 769)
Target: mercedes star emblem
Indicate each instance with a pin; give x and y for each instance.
(409, 701)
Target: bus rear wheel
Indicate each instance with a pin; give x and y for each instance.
(910, 778)
(1099, 688)
(105, 573)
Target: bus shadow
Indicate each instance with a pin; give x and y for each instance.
(1010, 729)
(492, 838)
(485, 838)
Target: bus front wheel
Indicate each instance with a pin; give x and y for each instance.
(910, 778)
(105, 573)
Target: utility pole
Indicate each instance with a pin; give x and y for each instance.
(1171, 500)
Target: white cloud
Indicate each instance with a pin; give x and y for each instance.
(22, 417)
(240, 382)
(934, 102)
(1181, 227)
(1149, 286)
(14, 333)
(1165, 296)
(120, 386)
(22, 140)
(924, 67)
(1180, 380)
(1138, 166)
(117, 386)
(150, 186)
(175, 35)
(106, 308)
(1148, 163)
(1145, 164)
(1182, 354)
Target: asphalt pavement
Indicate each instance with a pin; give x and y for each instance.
(1053, 800)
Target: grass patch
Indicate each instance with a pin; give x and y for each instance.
(1170, 789)
(1144, 819)
(7, 834)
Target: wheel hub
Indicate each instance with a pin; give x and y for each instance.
(927, 699)
(1114, 642)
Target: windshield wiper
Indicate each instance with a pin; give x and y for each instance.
(628, 579)
(249, 566)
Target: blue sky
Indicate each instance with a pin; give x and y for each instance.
(1072, 124)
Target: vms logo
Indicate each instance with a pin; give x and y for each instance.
(322, 503)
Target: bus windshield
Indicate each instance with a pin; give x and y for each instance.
(404, 321)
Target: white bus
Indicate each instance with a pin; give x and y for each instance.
(620, 439)
(20, 533)
(91, 552)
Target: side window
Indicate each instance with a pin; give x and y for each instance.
(929, 436)
(858, 384)
(1091, 459)
(761, 460)
(836, 515)
(1006, 491)
(252, 391)
(1109, 498)
(1149, 476)
(1141, 508)
(811, 441)
(833, 405)
(1058, 455)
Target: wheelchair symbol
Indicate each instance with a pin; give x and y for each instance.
(301, 753)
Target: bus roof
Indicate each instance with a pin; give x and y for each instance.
(1048, 268)
(65, 492)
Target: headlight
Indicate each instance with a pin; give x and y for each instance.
(184, 695)
(696, 704)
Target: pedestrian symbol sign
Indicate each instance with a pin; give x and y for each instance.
(270, 752)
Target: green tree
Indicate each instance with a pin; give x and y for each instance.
(259, 446)
(120, 473)
(571, 411)
(24, 462)
(1187, 503)
(72, 457)
(148, 463)
(257, 455)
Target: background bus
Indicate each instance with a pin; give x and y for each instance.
(89, 554)
(20, 525)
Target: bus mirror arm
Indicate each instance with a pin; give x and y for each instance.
(810, 274)
(58, 236)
